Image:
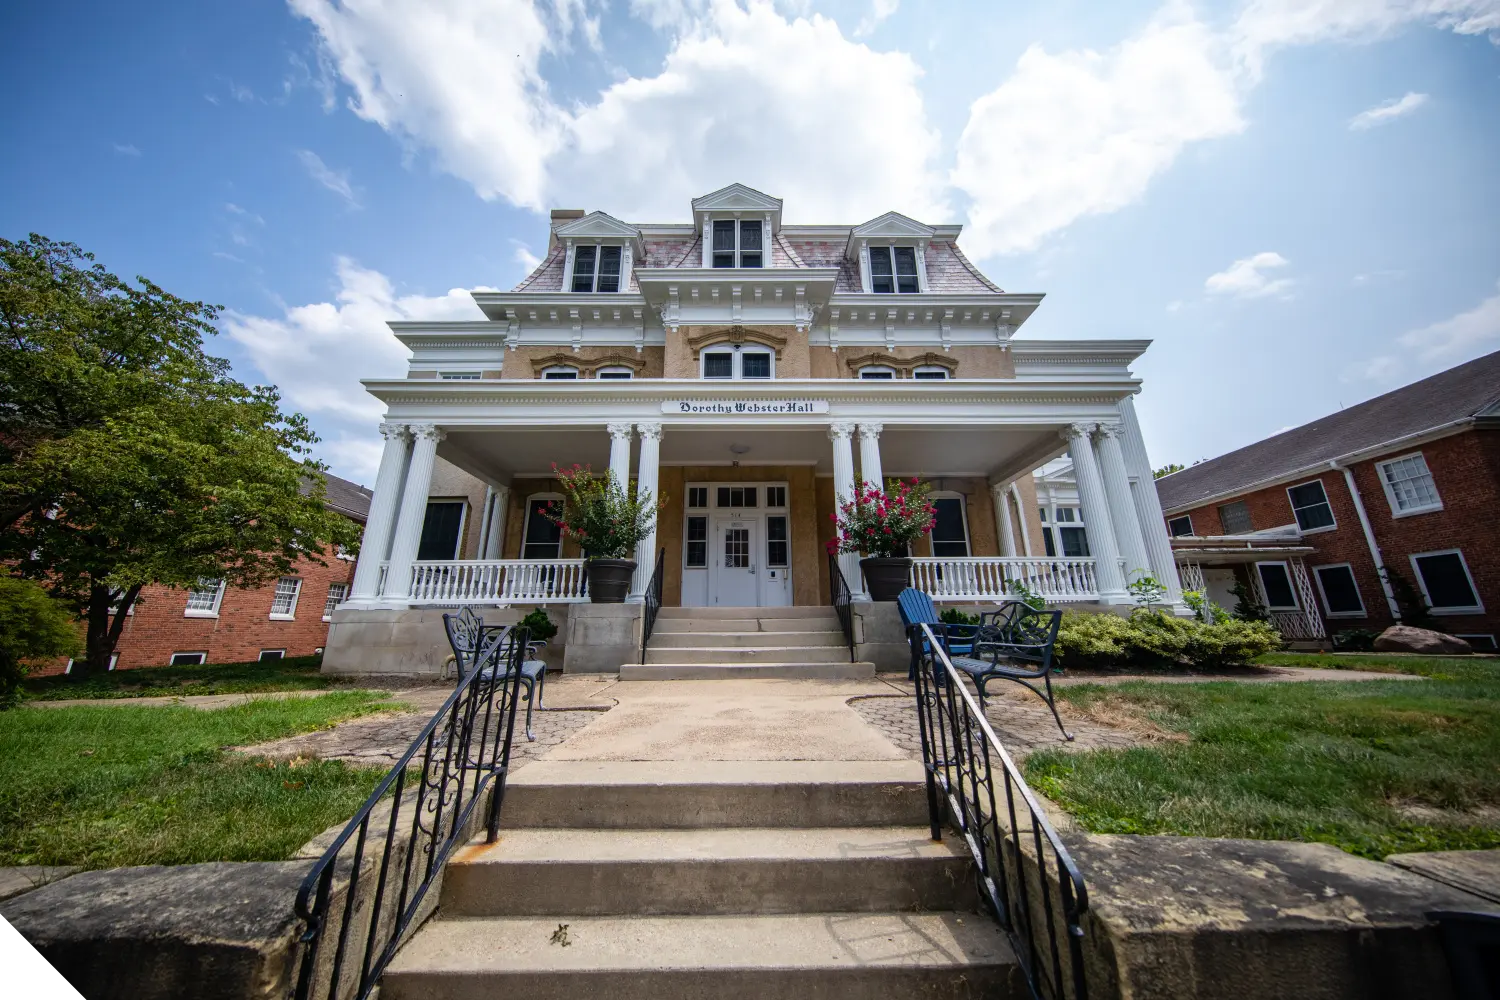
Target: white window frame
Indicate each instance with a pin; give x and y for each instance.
(878, 373)
(201, 654)
(963, 510)
(526, 523)
(114, 659)
(737, 367)
(1328, 612)
(328, 608)
(615, 372)
(1180, 517)
(553, 373)
(869, 264)
(191, 612)
(263, 658)
(598, 258)
(931, 373)
(1327, 502)
(286, 616)
(1291, 581)
(1475, 609)
(1390, 493)
(765, 242)
(469, 376)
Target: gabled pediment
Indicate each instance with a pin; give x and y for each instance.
(737, 198)
(598, 225)
(890, 226)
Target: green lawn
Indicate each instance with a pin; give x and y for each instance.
(104, 786)
(1443, 667)
(1374, 767)
(293, 674)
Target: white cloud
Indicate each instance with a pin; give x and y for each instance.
(1080, 133)
(1381, 368)
(126, 149)
(1387, 111)
(1247, 278)
(523, 256)
(1458, 338)
(879, 11)
(1268, 24)
(336, 181)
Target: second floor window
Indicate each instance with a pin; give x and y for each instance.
(724, 362)
(596, 269)
(893, 269)
(1234, 517)
(737, 244)
(559, 372)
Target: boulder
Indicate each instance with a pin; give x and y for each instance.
(1405, 639)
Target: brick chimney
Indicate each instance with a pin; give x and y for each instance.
(560, 217)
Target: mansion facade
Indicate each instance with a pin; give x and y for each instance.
(749, 372)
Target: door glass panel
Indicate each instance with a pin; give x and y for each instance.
(736, 548)
(776, 541)
(697, 542)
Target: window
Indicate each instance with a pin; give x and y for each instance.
(697, 542)
(204, 600)
(338, 593)
(560, 372)
(1483, 643)
(930, 371)
(459, 376)
(877, 372)
(1446, 583)
(775, 496)
(114, 659)
(272, 654)
(1179, 526)
(284, 601)
(776, 541)
(737, 363)
(697, 496)
(442, 529)
(615, 371)
(1408, 485)
(737, 496)
(596, 269)
(747, 252)
(883, 278)
(1310, 505)
(950, 529)
(1071, 534)
(543, 539)
(1235, 518)
(188, 659)
(1276, 580)
(1340, 591)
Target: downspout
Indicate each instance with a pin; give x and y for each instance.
(1364, 522)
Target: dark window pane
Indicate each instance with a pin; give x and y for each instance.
(775, 496)
(543, 538)
(1340, 592)
(906, 269)
(1310, 505)
(876, 373)
(583, 269)
(1075, 542)
(440, 531)
(750, 260)
(561, 373)
(755, 366)
(776, 541)
(1047, 539)
(718, 366)
(609, 269)
(933, 373)
(697, 496)
(697, 542)
(723, 260)
(1278, 584)
(1235, 517)
(749, 236)
(621, 375)
(948, 530)
(724, 236)
(881, 279)
(1446, 582)
(1180, 526)
(1066, 514)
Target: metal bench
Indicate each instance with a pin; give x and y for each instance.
(477, 646)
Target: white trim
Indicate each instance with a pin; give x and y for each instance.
(553, 373)
(618, 373)
(927, 373)
(1180, 517)
(191, 612)
(737, 352)
(291, 615)
(1327, 502)
(328, 611)
(1473, 609)
(201, 654)
(1328, 611)
(1290, 583)
(877, 372)
(1390, 493)
(263, 658)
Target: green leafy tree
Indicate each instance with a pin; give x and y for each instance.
(32, 625)
(1168, 469)
(130, 457)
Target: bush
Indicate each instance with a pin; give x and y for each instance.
(32, 625)
(1154, 639)
(953, 616)
(540, 625)
(1354, 640)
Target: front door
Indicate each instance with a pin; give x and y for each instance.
(734, 564)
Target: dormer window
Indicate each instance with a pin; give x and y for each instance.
(877, 372)
(557, 372)
(737, 363)
(737, 244)
(893, 269)
(596, 269)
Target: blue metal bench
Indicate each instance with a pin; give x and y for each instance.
(477, 646)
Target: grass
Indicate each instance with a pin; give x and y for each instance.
(1439, 667)
(298, 673)
(1373, 767)
(102, 786)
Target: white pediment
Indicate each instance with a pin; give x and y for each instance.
(737, 198)
(893, 225)
(598, 225)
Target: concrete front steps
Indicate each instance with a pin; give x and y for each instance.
(726, 880)
(746, 643)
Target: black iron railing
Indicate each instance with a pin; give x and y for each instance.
(841, 598)
(402, 836)
(653, 601)
(1026, 876)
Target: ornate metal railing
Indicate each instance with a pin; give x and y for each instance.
(400, 839)
(1026, 876)
(653, 601)
(496, 581)
(989, 578)
(841, 598)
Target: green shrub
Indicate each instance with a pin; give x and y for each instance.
(32, 625)
(1354, 640)
(953, 616)
(1154, 639)
(540, 625)
(1091, 640)
(1229, 642)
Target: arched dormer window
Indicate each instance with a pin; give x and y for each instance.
(877, 372)
(737, 361)
(558, 372)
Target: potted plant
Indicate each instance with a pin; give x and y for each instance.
(882, 524)
(608, 520)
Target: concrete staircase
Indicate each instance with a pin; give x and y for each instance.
(736, 880)
(716, 643)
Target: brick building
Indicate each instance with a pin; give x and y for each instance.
(1401, 489)
(217, 624)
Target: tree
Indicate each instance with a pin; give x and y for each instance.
(128, 456)
(32, 625)
(1168, 469)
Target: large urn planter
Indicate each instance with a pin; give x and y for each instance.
(886, 578)
(609, 580)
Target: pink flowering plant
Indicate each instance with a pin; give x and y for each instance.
(606, 518)
(883, 523)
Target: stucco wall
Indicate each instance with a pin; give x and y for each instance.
(973, 361)
(682, 360)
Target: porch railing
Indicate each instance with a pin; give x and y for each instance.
(988, 578)
(1298, 625)
(840, 597)
(652, 600)
(496, 581)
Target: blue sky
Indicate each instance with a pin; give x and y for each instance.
(1295, 199)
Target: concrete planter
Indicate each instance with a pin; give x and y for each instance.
(886, 578)
(609, 580)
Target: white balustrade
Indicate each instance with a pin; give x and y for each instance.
(987, 578)
(497, 581)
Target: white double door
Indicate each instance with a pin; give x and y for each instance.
(734, 570)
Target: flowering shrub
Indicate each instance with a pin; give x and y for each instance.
(607, 520)
(883, 523)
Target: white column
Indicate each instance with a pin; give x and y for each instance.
(1000, 497)
(619, 454)
(1015, 492)
(1096, 517)
(646, 477)
(376, 544)
(869, 456)
(494, 542)
(413, 511)
(1121, 506)
(1148, 506)
(843, 491)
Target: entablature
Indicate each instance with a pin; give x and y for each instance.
(865, 319)
(768, 296)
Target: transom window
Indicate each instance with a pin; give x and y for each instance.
(1446, 583)
(560, 372)
(1408, 485)
(930, 371)
(737, 496)
(284, 601)
(1179, 526)
(738, 244)
(775, 496)
(737, 363)
(1310, 505)
(877, 372)
(615, 372)
(1340, 591)
(697, 496)
(596, 269)
(543, 538)
(203, 600)
(1235, 518)
(893, 269)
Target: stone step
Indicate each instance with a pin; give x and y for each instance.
(659, 872)
(812, 611)
(730, 638)
(763, 653)
(655, 795)
(876, 956)
(710, 624)
(842, 670)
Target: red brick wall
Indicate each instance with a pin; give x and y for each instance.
(1466, 469)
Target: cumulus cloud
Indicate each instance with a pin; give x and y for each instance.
(336, 181)
(126, 149)
(879, 11)
(1264, 25)
(1247, 278)
(1387, 111)
(1458, 338)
